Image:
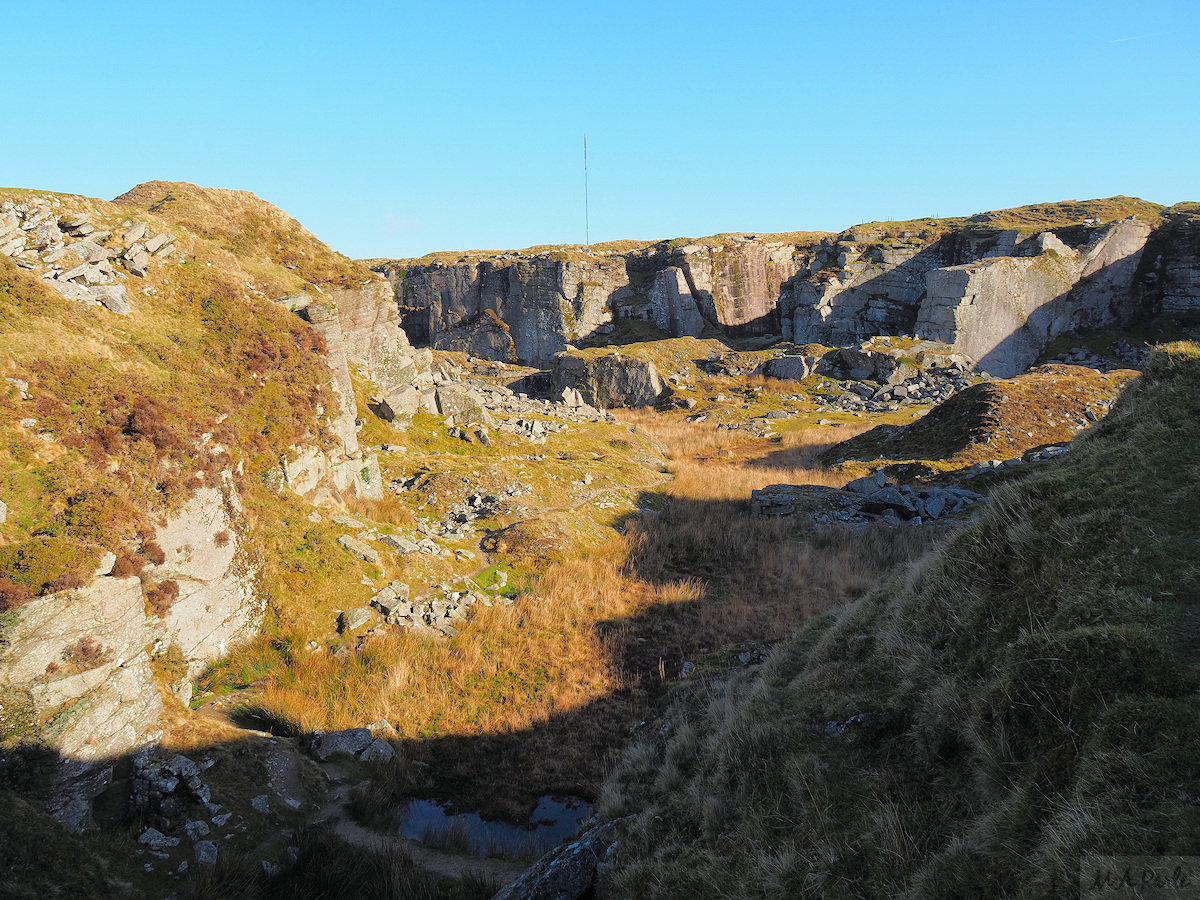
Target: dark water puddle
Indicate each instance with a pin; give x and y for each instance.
(556, 819)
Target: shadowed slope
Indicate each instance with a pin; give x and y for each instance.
(1025, 698)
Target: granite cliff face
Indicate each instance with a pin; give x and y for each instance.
(77, 660)
(997, 296)
(526, 307)
(1169, 274)
(998, 286)
(217, 606)
(360, 326)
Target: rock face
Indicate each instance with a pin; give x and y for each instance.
(607, 380)
(1002, 312)
(510, 307)
(74, 668)
(996, 298)
(360, 326)
(674, 306)
(526, 308)
(998, 295)
(217, 606)
(80, 656)
(326, 322)
(1169, 276)
(74, 674)
(370, 324)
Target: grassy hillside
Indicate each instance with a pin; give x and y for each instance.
(124, 417)
(263, 237)
(993, 420)
(1024, 697)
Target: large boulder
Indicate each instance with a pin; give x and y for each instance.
(790, 368)
(350, 741)
(400, 403)
(607, 380)
(568, 873)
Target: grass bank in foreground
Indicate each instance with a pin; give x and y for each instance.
(1022, 700)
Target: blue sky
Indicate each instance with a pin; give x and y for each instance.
(394, 129)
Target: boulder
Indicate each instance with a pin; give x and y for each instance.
(156, 242)
(357, 548)
(608, 380)
(379, 750)
(889, 498)
(353, 619)
(195, 830)
(399, 543)
(392, 597)
(401, 403)
(568, 873)
(351, 741)
(456, 399)
(790, 368)
(206, 853)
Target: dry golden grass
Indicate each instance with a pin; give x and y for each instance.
(545, 690)
(390, 510)
(604, 627)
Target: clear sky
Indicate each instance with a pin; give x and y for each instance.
(394, 129)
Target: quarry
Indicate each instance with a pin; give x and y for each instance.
(772, 565)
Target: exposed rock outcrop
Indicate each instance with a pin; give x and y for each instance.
(568, 873)
(607, 380)
(511, 307)
(75, 676)
(360, 326)
(528, 307)
(217, 606)
(997, 298)
(1001, 312)
(79, 658)
(1169, 276)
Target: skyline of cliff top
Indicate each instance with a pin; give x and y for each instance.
(396, 135)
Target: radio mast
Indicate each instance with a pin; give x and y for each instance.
(587, 230)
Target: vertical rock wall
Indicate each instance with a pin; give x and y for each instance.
(527, 308)
(217, 605)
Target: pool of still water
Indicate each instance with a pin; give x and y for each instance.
(554, 820)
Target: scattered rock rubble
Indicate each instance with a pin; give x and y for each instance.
(872, 498)
(934, 385)
(428, 615)
(1124, 356)
(75, 257)
(177, 804)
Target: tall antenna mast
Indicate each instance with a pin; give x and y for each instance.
(587, 228)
